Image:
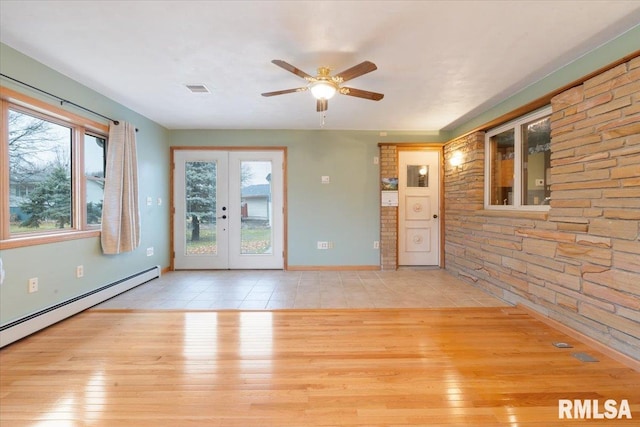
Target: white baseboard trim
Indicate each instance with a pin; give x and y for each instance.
(34, 322)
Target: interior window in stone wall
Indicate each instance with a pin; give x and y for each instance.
(501, 148)
(518, 158)
(536, 161)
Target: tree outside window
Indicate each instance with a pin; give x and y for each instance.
(39, 174)
(52, 170)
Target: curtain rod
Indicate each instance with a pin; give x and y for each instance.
(62, 100)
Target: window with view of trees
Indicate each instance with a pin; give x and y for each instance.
(518, 162)
(39, 174)
(54, 174)
(94, 167)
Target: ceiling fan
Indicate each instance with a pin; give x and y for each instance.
(324, 85)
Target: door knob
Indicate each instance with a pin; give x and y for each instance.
(223, 217)
(435, 216)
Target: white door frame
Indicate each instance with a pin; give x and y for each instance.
(279, 202)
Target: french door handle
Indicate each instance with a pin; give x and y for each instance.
(224, 208)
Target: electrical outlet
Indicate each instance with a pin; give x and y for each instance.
(323, 245)
(376, 244)
(33, 285)
(79, 271)
(150, 251)
(325, 179)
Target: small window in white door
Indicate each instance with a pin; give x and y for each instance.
(417, 175)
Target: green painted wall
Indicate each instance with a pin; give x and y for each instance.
(345, 212)
(54, 264)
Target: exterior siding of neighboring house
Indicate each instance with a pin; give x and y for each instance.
(256, 202)
(95, 190)
(19, 193)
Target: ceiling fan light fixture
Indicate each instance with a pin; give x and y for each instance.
(323, 89)
(324, 86)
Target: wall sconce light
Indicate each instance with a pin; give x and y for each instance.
(456, 160)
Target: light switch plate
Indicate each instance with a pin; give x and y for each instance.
(325, 179)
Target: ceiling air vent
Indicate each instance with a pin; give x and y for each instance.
(198, 88)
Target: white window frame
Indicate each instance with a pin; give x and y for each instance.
(516, 125)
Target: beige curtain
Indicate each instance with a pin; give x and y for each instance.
(120, 213)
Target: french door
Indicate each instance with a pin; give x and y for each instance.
(228, 209)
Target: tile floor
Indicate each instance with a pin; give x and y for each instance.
(268, 289)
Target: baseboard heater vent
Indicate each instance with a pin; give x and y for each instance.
(34, 322)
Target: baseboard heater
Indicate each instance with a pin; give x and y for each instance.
(34, 322)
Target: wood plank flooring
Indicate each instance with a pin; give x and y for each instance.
(355, 367)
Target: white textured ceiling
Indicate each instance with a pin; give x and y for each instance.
(439, 62)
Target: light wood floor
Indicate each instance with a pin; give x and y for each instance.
(483, 366)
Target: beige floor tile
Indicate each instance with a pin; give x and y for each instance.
(259, 290)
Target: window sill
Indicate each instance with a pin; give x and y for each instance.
(20, 242)
(536, 215)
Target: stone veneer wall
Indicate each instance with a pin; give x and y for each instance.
(578, 264)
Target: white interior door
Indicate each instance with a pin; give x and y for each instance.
(228, 209)
(419, 208)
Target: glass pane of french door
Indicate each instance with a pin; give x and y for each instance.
(255, 208)
(200, 203)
